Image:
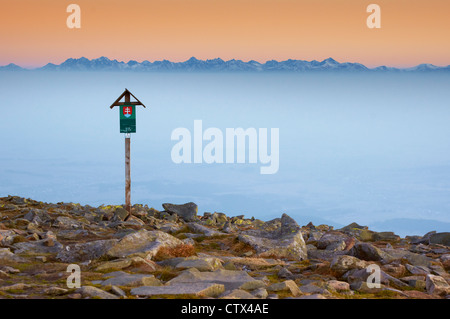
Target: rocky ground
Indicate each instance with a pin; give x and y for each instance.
(174, 253)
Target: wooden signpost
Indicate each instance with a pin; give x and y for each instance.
(127, 117)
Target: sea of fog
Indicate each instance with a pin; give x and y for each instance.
(367, 148)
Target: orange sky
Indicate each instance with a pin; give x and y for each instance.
(33, 32)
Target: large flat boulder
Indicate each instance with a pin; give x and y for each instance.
(39, 246)
(208, 232)
(86, 251)
(143, 242)
(187, 212)
(121, 278)
(231, 279)
(285, 241)
(199, 289)
(413, 258)
(200, 263)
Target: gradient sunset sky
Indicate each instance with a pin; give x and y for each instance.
(33, 33)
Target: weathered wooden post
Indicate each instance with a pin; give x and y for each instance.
(127, 116)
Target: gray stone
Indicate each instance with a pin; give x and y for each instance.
(386, 236)
(195, 227)
(320, 254)
(200, 263)
(313, 289)
(361, 286)
(93, 292)
(188, 211)
(352, 227)
(336, 246)
(86, 251)
(48, 245)
(146, 243)
(288, 285)
(254, 284)
(7, 256)
(413, 258)
(417, 270)
(55, 291)
(440, 238)
(229, 278)
(285, 273)
(417, 282)
(199, 289)
(369, 252)
(314, 236)
(438, 270)
(120, 278)
(219, 218)
(120, 213)
(254, 263)
(337, 285)
(16, 200)
(237, 294)
(437, 285)
(332, 237)
(343, 263)
(357, 275)
(114, 264)
(68, 223)
(260, 293)
(118, 292)
(284, 242)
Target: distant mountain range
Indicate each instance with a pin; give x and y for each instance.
(219, 65)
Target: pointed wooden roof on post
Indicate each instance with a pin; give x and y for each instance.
(127, 101)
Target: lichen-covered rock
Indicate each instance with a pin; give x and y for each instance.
(401, 254)
(283, 242)
(196, 227)
(68, 223)
(143, 242)
(343, 263)
(48, 245)
(386, 236)
(86, 251)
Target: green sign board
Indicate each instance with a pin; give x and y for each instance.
(127, 119)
